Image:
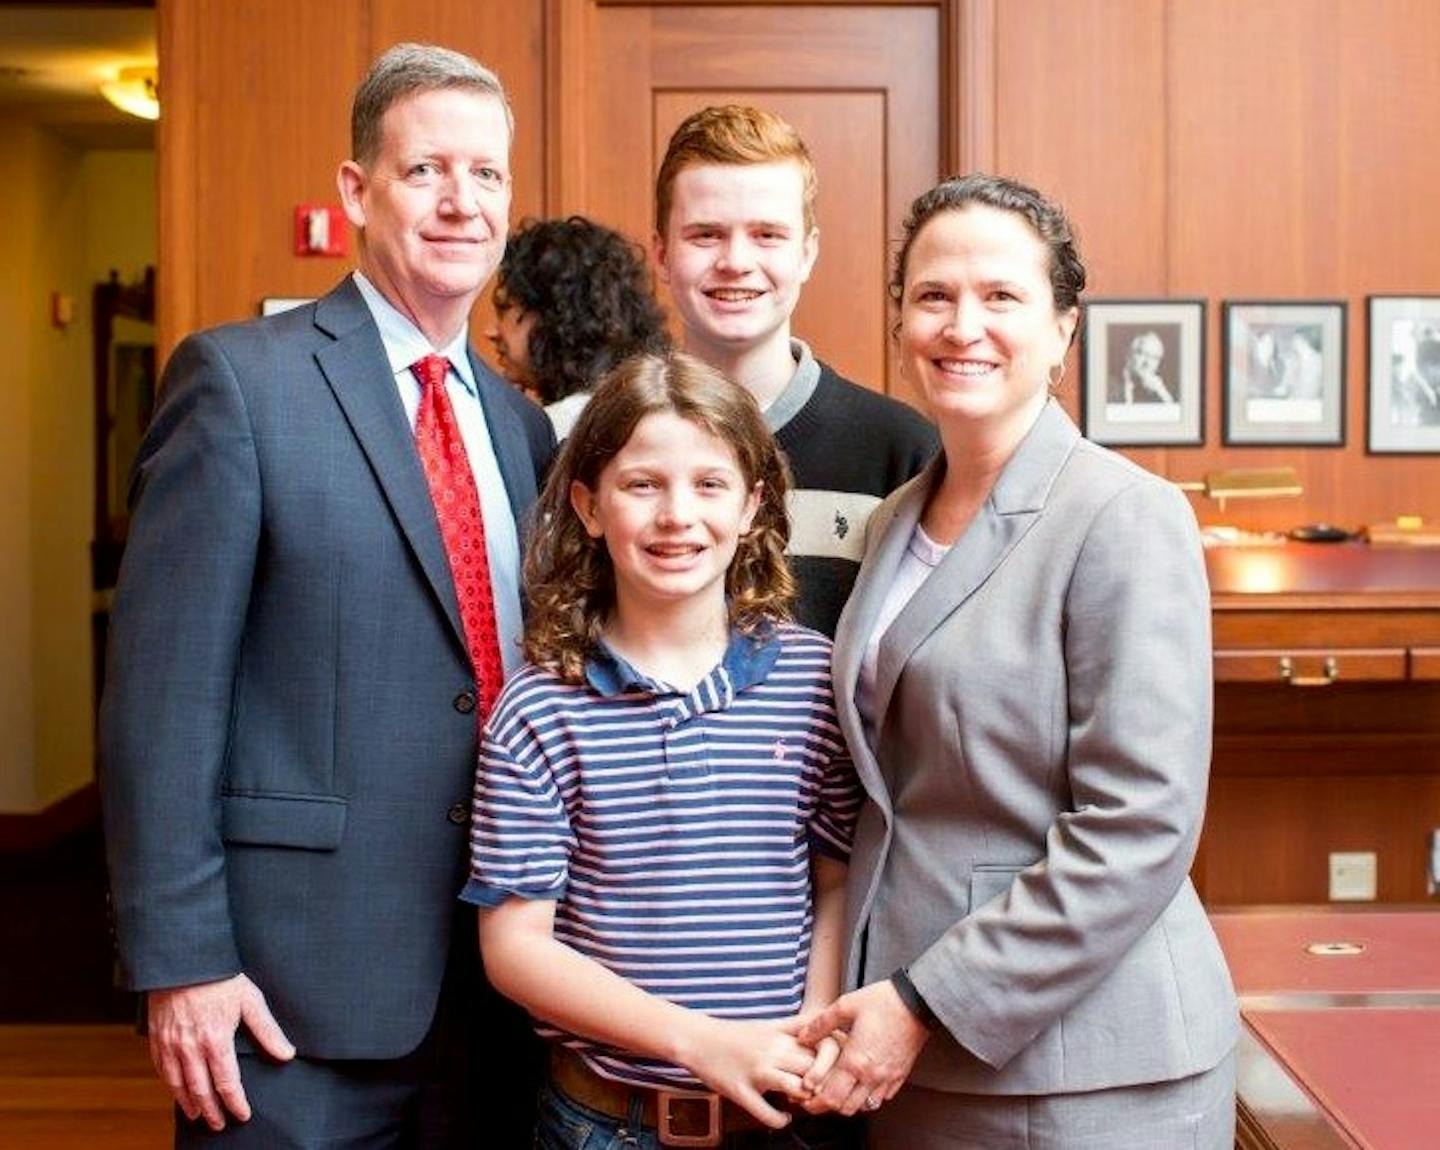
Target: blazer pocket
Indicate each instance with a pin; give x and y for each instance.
(990, 880)
(306, 822)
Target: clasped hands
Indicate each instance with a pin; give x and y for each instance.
(881, 1041)
(851, 1056)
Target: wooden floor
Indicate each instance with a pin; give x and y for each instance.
(67, 1087)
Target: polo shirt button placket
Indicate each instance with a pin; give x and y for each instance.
(684, 743)
(673, 761)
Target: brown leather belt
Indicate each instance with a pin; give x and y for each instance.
(678, 1117)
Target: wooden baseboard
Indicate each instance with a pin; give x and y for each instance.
(74, 812)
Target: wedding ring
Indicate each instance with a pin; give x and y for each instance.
(872, 1103)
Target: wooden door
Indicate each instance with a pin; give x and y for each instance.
(862, 84)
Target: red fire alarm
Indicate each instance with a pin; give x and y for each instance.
(319, 230)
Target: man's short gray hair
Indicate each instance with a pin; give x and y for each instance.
(408, 69)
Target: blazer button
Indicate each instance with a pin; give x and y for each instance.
(465, 702)
(459, 814)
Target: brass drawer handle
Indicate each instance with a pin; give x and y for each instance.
(1330, 668)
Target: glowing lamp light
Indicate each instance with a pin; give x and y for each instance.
(136, 91)
(1261, 572)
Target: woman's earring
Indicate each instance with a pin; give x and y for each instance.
(1056, 375)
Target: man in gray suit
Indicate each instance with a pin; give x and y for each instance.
(289, 724)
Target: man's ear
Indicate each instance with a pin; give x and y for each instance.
(657, 254)
(352, 181)
(810, 252)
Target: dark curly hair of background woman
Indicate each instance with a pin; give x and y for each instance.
(591, 294)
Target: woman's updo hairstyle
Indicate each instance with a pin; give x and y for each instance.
(1046, 219)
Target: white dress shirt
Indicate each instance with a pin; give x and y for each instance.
(404, 345)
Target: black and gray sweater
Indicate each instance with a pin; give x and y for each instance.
(848, 448)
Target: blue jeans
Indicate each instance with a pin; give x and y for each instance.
(566, 1125)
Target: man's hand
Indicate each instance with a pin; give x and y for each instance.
(192, 1044)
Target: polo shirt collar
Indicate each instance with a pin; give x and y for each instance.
(748, 659)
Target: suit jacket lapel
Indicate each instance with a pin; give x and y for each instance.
(358, 372)
(889, 530)
(1014, 504)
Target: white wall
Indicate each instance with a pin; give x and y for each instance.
(18, 194)
(120, 214)
(70, 216)
(62, 469)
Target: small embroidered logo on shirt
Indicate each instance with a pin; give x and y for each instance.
(778, 754)
(842, 526)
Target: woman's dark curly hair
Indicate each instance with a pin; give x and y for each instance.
(591, 295)
(569, 578)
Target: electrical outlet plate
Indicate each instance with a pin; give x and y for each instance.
(1352, 876)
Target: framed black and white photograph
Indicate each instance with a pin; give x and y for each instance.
(1284, 373)
(1403, 411)
(1143, 372)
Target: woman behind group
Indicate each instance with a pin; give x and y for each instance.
(1023, 675)
(572, 299)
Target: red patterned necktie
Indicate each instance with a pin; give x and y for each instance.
(457, 506)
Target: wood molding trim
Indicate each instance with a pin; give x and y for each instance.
(177, 184)
(764, 3)
(566, 39)
(64, 816)
(970, 82)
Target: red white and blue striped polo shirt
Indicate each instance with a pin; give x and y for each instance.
(674, 829)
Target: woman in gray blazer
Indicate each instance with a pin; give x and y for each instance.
(1024, 677)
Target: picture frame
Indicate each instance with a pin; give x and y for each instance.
(1143, 372)
(1284, 373)
(1402, 408)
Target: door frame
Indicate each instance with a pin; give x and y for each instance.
(967, 84)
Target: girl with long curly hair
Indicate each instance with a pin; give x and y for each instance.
(664, 805)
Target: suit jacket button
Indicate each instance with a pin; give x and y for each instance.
(465, 702)
(459, 814)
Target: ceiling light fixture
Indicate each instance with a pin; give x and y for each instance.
(135, 90)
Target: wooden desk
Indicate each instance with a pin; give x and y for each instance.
(1327, 719)
(1338, 1050)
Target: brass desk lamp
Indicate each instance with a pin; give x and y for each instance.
(1245, 483)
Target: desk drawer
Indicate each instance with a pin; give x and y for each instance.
(1425, 663)
(1312, 667)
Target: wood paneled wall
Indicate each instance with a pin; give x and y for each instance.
(1284, 149)
(1273, 149)
(1297, 776)
(1278, 149)
(257, 119)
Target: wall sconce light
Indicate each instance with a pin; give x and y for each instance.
(1246, 483)
(135, 90)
